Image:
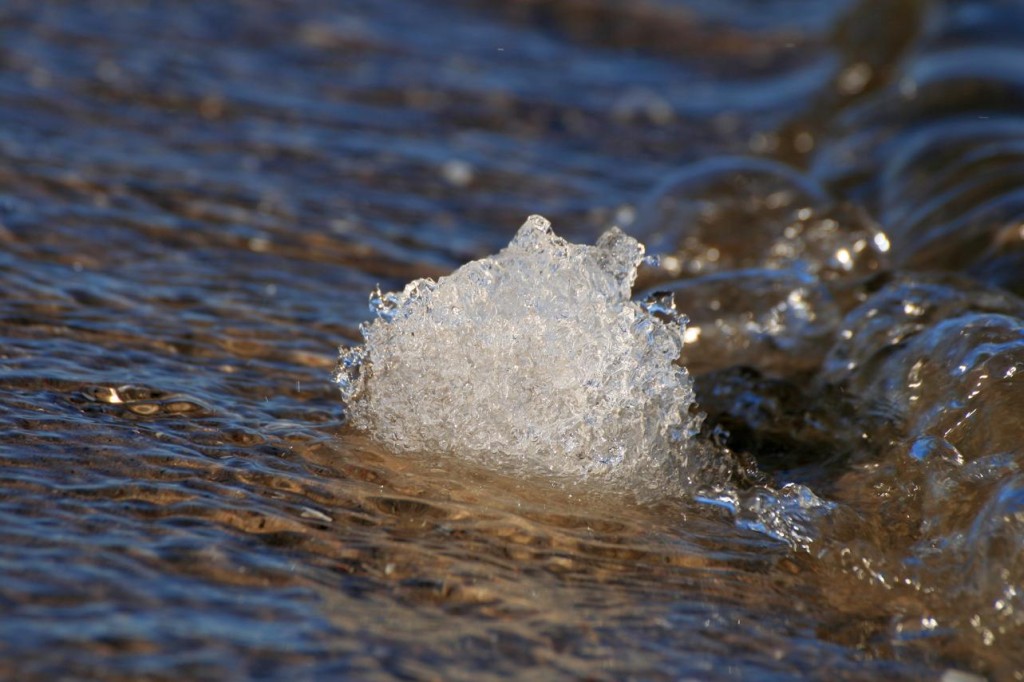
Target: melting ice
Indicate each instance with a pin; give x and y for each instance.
(535, 360)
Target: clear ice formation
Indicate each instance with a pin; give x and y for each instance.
(532, 361)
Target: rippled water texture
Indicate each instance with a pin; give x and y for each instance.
(196, 199)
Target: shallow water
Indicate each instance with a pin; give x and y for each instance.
(196, 200)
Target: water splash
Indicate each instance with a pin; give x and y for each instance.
(532, 361)
(789, 514)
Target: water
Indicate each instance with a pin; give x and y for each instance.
(195, 201)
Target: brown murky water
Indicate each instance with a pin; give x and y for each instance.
(195, 200)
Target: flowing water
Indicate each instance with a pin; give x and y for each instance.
(197, 198)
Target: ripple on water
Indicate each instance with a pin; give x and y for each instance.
(146, 402)
(944, 361)
(937, 153)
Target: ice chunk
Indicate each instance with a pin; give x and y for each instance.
(533, 361)
(790, 514)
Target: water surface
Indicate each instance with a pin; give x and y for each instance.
(195, 201)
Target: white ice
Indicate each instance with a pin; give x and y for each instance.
(532, 361)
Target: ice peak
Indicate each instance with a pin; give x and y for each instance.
(535, 360)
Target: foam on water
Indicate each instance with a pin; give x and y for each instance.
(534, 361)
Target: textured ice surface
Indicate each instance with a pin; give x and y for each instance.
(534, 360)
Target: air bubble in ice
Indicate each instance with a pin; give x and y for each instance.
(534, 360)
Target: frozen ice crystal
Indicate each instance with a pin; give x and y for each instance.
(534, 361)
(790, 514)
